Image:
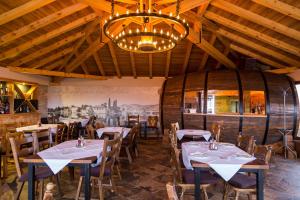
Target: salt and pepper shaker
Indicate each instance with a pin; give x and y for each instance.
(80, 141)
(213, 145)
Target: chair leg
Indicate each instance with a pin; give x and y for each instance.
(182, 194)
(236, 195)
(19, 191)
(119, 171)
(58, 185)
(101, 195)
(128, 155)
(5, 160)
(41, 193)
(249, 196)
(226, 190)
(205, 193)
(79, 188)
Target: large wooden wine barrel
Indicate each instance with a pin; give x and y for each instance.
(264, 127)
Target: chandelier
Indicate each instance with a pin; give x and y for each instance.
(146, 30)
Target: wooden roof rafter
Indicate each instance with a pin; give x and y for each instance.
(114, 58)
(132, 63)
(9, 37)
(150, 58)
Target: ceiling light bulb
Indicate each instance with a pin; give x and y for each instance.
(135, 48)
(178, 17)
(159, 48)
(183, 20)
(154, 30)
(127, 12)
(161, 31)
(137, 30)
(130, 31)
(105, 21)
(117, 14)
(168, 33)
(146, 29)
(171, 14)
(110, 17)
(137, 10)
(163, 42)
(131, 42)
(107, 32)
(149, 11)
(159, 12)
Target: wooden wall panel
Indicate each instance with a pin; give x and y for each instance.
(255, 126)
(222, 80)
(192, 121)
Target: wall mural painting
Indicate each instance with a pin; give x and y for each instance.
(111, 105)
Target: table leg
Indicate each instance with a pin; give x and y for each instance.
(31, 180)
(260, 185)
(87, 181)
(197, 183)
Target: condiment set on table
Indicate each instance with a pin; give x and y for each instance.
(213, 145)
(80, 142)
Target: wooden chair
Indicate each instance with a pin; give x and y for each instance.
(175, 125)
(99, 124)
(133, 120)
(246, 143)
(90, 130)
(6, 150)
(21, 147)
(104, 172)
(41, 140)
(60, 132)
(171, 191)
(71, 131)
(173, 136)
(128, 143)
(242, 183)
(152, 124)
(216, 130)
(185, 178)
(48, 195)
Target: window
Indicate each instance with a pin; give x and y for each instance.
(254, 102)
(193, 101)
(222, 101)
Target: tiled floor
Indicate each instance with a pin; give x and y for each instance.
(145, 179)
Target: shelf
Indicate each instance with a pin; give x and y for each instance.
(6, 95)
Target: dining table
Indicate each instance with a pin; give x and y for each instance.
(226, 161)
(193, 133)
(65, 154)
(37, 127)
(123, 130)
(67, 121)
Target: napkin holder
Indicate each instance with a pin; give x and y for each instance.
(213, 146)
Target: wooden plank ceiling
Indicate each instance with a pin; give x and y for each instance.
(65, 36)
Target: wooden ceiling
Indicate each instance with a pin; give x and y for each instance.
(63, 37)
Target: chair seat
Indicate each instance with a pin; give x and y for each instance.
(40, 173)
(95, 171)
(205, 177)
(242, 181)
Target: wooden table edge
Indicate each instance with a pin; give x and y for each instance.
(196, 164)
(37, 159)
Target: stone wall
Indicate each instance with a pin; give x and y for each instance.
(42, 97)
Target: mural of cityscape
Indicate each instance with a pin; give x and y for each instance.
(108, 112)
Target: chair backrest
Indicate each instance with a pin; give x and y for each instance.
(263, 152)
(132, 134)
(90, 130)
(172, 136)
(216, 130)
(133, 120)
(175, 165)
(246, 143)
(48, 195)
(41, 139)
(92, 121)
(71, 129)
(99, 124)
(20, 148)
(109, 154)
(152, 121)
(175, 125)
(60, 132)
(171, 191)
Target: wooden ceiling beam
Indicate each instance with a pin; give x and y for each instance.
(226, 52)
(150, 65)
(132, 63)
(43, 51)
(259, 48)
(261, 58)
(162, 2)
(253, 33)
(23, 10)
(54, 73)
(104, 5)
(83, 56)
(114, 58)
(187, 56)
(96, 58)
(168, 62)
(54, 65)
(256, 18)
(286, 70)
(7, 38)
(60, 30)
(205, 56)
(185, 5)
(52, 57)
(84, 67)
(89, 28)
(281, 7)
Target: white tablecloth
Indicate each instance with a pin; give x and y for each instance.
(226, 161)
(59, 156)
(69, 120)
(193, 132)
(51, 127)
(123, 130)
